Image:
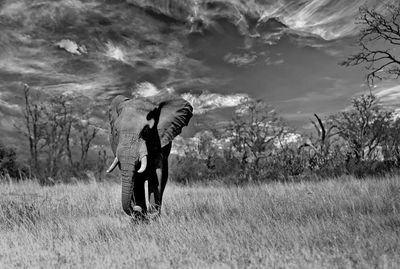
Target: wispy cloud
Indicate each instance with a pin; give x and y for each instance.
(209, 101)
(201, 103)
(146, 89)
(389, 95)
(90, 86)
(9, 106)
(6, 107)
(269, 61)
(272, 38)
(240, 59)
(329, 19)
(32, 14)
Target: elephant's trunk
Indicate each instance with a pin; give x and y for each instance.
(128, 186)
(132, 192)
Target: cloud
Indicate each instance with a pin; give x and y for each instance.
(71, 47)
(90, 86)
(240, 59)
(115, 52)
(326, 18)
(272, 38)
(34, 14)
(269, 61)
(209, 101)
(389, 95)
(201, 103)
(6, 107)
(23, 66)
(329, 19)
(146, 89)
(12, 9)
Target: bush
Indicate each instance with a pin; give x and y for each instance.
(8, 164)
(189, 169)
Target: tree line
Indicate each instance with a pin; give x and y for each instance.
(59, 136)
(257, 145)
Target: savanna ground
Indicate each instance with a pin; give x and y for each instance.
(342, 223)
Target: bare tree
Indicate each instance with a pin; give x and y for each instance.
(365, 127)
(101, 163)
(58, 132)
(83, 135)
(380, 43)
(321, 148)
(86, 135)
(322, 144)
(33, 126)
(253, 130)
(57, 129)
(391, 147)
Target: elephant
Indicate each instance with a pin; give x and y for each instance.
(142, 130)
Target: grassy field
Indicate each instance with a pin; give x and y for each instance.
(332, 224)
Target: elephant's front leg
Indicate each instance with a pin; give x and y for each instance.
(158, 191)
(155, 187)
(139, 198)
(161, 177)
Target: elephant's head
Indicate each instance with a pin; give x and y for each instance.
(140, 127)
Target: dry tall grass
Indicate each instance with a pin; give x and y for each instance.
(344, 223)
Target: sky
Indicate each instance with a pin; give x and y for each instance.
(215, 53)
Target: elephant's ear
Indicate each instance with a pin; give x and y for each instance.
(114, 111)
(174, 115)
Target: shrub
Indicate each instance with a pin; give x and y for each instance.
(8, 164)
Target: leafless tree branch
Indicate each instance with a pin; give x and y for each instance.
(380, 29)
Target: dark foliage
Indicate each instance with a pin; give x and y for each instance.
(257, 146)
(8, 163)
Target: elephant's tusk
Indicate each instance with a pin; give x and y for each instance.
(146, 194)
(143, 164)
(113, 165)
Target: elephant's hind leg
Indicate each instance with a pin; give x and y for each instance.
(164, 173)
